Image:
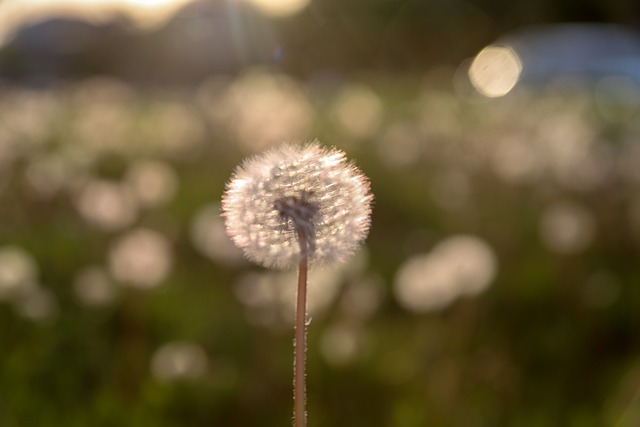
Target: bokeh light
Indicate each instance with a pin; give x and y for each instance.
(460, 265)
(261, 109)
(495, 71)
(362, 297)
(141, 258)
(210, 238)
(280, 8)
(567, 227)
(93, 287)
(400, 145)
(270, 296)
(154, 183)
(451, 189)
(102, 123)
(172, 128)
(358, 111)
(37, 304)
(106, 204)
(179, 361)
(18, 272)
(48, 175)
(340, 344)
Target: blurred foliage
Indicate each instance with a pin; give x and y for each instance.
(180, 331)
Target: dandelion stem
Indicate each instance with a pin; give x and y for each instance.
(300, 346)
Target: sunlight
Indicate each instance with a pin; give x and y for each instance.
(148, 3)
(145, 14)
(495, 71)
(280, 8)
(150, 13)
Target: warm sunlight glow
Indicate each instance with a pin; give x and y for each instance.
(15, 14)
(495, 71)
(280, 8)
(148, 3)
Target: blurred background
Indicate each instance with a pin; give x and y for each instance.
(499, 286)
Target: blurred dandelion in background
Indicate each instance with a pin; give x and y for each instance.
(400, 145)
(37, 304)
(516, 160)
(93, 287)
(28, 116)
(210, 238)
(179, 361)
(48, 175)
(107, 204)
(171, 128)
(458, 266)
(102, 124)
(261, 109)
(451, 189)
(340, 344)
(573, 155)
(141, 258)
(153, 182)
(567, 227)
(18, 272)
(357, 111)
(270, 298)
(362, 296)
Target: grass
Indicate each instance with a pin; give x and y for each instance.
(550, 342)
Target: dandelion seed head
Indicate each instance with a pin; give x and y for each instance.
(291, 189)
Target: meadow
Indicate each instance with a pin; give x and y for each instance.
(499, 285)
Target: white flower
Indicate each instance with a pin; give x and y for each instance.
(288, 190)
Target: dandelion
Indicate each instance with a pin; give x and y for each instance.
(290, 190)
(293, 206)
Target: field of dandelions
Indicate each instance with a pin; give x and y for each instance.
(499, 285)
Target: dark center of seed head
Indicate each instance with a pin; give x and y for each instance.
(300, 211)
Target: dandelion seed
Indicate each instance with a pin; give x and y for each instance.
(290, 188)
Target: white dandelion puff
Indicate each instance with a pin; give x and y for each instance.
(293, 205)
(290, 189)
